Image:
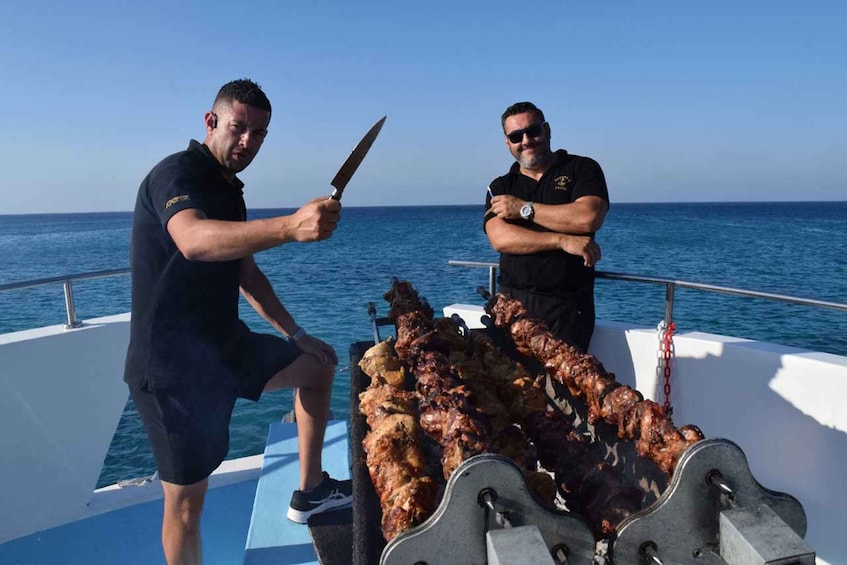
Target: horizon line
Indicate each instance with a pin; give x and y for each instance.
(613, 203)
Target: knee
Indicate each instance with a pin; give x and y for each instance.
(185, 506)
(316, 375)
(324, 376)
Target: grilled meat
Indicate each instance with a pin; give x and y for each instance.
(642, 421)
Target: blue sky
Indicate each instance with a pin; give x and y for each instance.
(678, 101)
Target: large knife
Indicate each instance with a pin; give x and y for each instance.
(354, 160)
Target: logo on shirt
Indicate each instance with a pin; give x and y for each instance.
(176, 199)
(561, 183)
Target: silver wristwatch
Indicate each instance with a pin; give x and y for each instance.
(527, 211)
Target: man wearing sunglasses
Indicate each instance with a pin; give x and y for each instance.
(541, 217)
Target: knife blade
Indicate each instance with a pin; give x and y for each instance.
(342, 177)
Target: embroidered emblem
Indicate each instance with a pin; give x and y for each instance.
(176, 199)
(561, 183)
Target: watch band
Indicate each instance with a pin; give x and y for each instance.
(298, 334)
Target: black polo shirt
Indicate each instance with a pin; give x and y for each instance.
(550, 272)
(184, 313)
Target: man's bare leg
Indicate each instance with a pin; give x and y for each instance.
(313, 386)
(311, 407)
(181, 522)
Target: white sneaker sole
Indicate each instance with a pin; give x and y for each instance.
(302, 516)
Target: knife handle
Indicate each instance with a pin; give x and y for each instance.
(336, 194)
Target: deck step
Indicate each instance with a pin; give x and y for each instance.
(273, 538)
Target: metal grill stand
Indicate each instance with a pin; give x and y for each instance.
(484, 496)
(714, 512)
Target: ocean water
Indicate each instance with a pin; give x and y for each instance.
(796, 249)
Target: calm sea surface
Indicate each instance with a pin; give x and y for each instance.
(797, 249)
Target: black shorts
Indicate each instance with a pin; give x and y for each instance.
(188, 427)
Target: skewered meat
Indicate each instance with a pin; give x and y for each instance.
(592, 488)
(510, 439)
(448, 412)
(470, 398)
(394, 454)
(403, 298)
(381, 362)
(504, 392)
(637, 419)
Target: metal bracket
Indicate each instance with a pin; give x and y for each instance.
(683, 526)
(485, 492)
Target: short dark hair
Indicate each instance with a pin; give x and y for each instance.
(521, 108)
(245, 91)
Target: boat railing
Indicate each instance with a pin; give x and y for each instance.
(670, 286)
(67, 281)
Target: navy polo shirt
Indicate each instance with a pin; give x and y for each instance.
(550, 272)
(184, 313)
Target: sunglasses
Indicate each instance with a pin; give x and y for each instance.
(533, 131)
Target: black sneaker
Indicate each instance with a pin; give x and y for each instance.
(326, 496)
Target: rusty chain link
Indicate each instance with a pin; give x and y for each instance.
(665, 354)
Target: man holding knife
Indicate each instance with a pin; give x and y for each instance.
(190, 356)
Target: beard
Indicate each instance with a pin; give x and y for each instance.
(534, 156)
(539, 158)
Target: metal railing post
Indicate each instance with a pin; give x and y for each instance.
(492, 280)
(69, 306)
(669, 290)
(67, 282)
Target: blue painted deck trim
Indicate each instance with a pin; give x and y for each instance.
(132, 535)
(273, 538)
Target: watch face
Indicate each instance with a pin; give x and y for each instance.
(526, 211)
